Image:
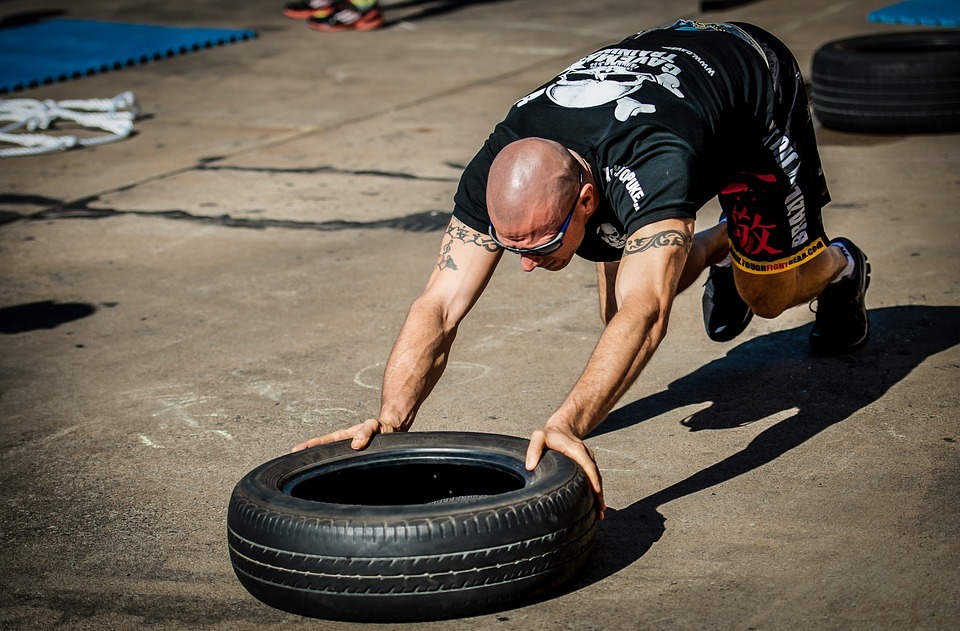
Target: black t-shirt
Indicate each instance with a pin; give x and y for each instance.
(663, 118)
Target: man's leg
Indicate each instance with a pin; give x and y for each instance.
(725, 314)
(709, 247)
(769, 295)
(837, 278)
(607, 287)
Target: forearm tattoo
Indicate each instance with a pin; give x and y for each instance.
(665, 239)
(456, 231)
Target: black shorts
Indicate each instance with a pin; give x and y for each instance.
(773, 204)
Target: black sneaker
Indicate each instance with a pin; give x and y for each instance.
(725, 314)
(842, 324)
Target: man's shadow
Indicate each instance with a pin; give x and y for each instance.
(761, 377)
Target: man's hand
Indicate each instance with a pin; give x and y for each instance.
(567, 443)
(359, 435)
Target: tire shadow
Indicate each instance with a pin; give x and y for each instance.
(738, 388)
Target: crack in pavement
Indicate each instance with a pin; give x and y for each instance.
(323, 169)
(426, 221)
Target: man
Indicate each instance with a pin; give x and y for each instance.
(611, 161)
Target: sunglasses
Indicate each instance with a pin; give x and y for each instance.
(550, 246)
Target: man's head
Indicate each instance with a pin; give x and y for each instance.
(537, 202)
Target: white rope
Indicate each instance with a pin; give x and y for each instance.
(115, 116)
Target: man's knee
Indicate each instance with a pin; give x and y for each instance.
(768, 295)
(766, 307)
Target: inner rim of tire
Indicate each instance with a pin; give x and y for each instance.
(403, 480)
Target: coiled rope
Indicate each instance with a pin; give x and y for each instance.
(115, 116)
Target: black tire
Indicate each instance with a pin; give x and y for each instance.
(418, 526)
(905, 82)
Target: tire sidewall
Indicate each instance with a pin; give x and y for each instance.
(904, 82)
(906, 54)
(258, 496)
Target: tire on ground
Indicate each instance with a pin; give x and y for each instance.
(418, 526)
(902, 82)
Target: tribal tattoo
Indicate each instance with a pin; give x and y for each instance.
(665, 239)
(456, 231)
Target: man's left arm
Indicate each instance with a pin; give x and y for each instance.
(646, 284)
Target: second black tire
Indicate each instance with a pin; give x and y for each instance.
(898, 82)
(418, 526)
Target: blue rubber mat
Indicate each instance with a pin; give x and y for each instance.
(62, 49)
(920, 12)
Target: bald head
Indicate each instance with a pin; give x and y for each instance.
(531, 183)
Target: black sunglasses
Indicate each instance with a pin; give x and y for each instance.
(550, 246)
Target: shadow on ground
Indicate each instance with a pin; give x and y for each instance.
(762, 377)
(46, 314)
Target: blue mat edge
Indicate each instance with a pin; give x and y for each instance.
(917, 14)
(230, 36)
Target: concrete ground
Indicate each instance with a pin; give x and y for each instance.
(182, 306)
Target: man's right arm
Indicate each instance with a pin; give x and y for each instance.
(464, 266)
